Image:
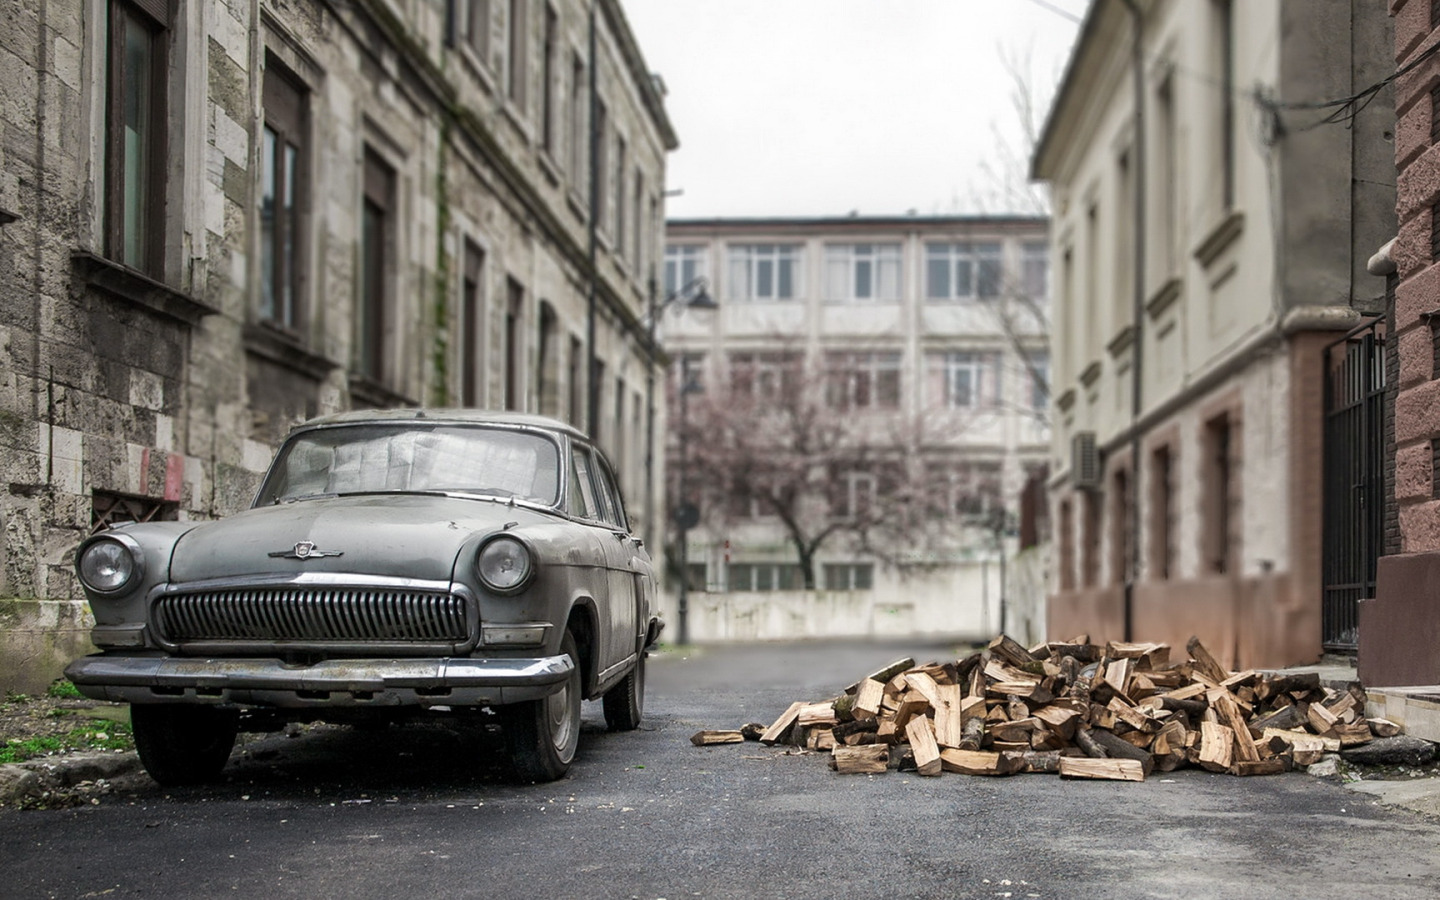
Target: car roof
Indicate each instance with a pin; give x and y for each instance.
(457, 416)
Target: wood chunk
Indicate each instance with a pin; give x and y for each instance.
(1133, 717)
(1353, 734)
(1014, 731)
(885, 673)
(1204, 662)
(1188, 692)
(1060, 719)
(970, 762)
(1229, 711)
(1087, 745)
(1030, 690)
(867, 699)
(1273, 766)
(1322, 719)
(1217, 747)
(911, 705)
(1010, 651)
(706, 738)
(1117, 674)
(1282, 684)
(1383, 727)
(1103, 769)
(817, 714)
(922, 744)
(1287, 717)
(950, 716)
(924, 685)
(821, 739)
(1118, 748)
(972, 734)
(777, 730)
(1304, 748)
(871, 759)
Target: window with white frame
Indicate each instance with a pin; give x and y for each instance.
(765, 577)
(853, 494)
(1035, 270)
(761, 272)
(1038, 365)
(764, 376)
(849, 576)
(962, 379)
(862, 380)
(967, 489)
(862, 272)
(962, 271)
(683, 264)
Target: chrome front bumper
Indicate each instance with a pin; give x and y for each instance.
(336, 682)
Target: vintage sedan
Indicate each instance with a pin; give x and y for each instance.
(393, 562)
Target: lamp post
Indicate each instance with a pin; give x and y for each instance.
(692, 294)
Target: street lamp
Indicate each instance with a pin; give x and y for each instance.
(692, 295)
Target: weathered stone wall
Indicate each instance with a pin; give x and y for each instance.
(171, 389)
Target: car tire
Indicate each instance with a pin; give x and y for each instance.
(181, 745)
(541, 736)
(625, 702)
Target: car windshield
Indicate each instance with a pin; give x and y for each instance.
(411, 458)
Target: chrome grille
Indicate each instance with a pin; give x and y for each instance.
(313, 614)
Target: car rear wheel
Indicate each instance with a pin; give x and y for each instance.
(183, 744)
(625, 702)
(542, 735)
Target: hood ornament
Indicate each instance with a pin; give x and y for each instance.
(305, 550)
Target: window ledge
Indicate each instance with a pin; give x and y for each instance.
(1216, 242)
(142, 290)
(376, 395)
(578, 206)
(549, 167)
(1121, 342)
(1163, 299)
(1065, 400)
(1091, 374)
(285, 349)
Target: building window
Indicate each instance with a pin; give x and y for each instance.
(1225, 63)
(1162, 514)
(547, 82)
(472, 25)
(377, 248)
(764, 376)
(862, 272)
(1035, 271)
(765, 577)
(962, 379)
(618, 201)
(136, 138)
(1166, 176)
(1435, 333)
(547, 387)
(962, 271)
(1037, 364)
(849, 576)
(1435, 468)
(862, 380)
(966, 490)
(519, 63)
(1219, 479)
(761, 272)
(1067, 546)
(283, 198)
(576, 374)
(599, 129)
(852, 495)
(683, 264)
(578, 145)
(472, 326)
(1120, 531)
(514, 351)
(1090, 541)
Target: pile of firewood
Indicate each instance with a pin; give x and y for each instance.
(1117, 712)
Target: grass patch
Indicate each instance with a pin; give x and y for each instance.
(97, 734)
(64, 689)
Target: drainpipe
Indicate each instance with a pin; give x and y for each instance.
(1137, 312)
(592, 389)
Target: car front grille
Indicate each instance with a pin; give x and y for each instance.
(313, 615)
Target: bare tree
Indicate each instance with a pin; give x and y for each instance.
(827, 452)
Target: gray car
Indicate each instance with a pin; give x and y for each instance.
(393, 562)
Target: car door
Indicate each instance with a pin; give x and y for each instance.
(621, 551)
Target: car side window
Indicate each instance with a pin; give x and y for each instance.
(580, 501)
(584, 485)
(611, 494)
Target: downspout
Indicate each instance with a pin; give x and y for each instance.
(592, 390)
(1137, 313)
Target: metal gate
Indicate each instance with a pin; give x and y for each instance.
(1354, 478)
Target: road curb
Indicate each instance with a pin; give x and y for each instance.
(33, 778)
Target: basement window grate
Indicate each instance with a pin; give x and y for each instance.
(108, 509)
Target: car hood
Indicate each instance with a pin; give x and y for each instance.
(393, 536)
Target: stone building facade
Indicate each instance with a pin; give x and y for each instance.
(224, 217)
(940, 320)
(1216, 202)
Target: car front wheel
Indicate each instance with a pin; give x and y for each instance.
(183, 744)
(542, 735)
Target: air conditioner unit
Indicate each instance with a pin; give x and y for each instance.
(1084, 461)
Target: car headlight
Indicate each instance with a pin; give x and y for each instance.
(108, 565)
(504, 564)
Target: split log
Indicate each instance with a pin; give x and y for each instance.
(1059, 719)
(1383, 727)
(1224, 705)
(950, 716)
(1119, 748)
(821, 739)
(1217, 747)
(1273, 766)
(1087, 744)
(1204, 662)
(972, 734)
(1033, 760)
(867, 699)
(873, 759)
(925, 686)
(923, 746)
(1104, 769)
(1014, 731)
(706, 738)
(1354, 734)
(1322, 719)
(1286, 717)
(1283, 684)
(1010, 651)
(817, 714)
(970, 762)
(782, 725)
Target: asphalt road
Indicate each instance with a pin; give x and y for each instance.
(426, 812)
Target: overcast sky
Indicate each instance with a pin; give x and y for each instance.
(824, 107)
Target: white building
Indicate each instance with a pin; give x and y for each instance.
(936, 324)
